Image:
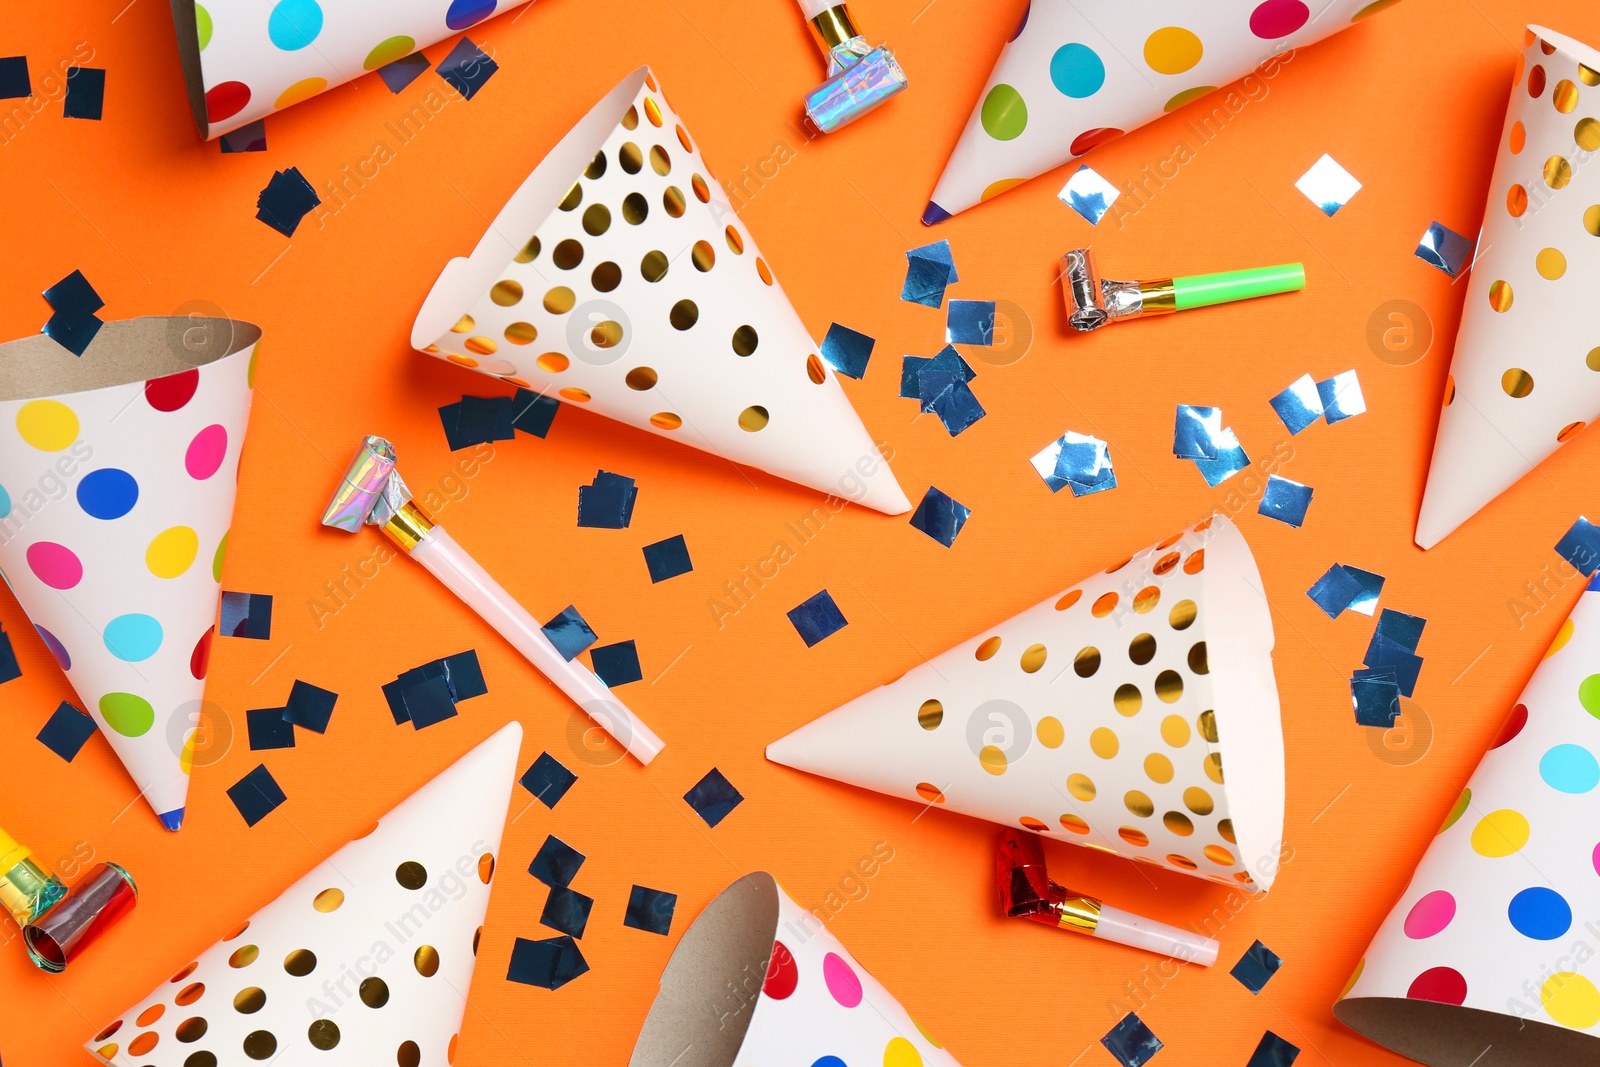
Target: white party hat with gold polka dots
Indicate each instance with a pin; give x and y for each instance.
(366, 960)
(1490, 956)
(1525, 378)
(1078, 73)
(1104, 716)
(118, 470)
(759, 980)
(619, 278)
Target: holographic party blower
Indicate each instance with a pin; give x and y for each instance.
(372, 493)
(1092, 301)
(59, 923)
(1026, 892)
(860, 77)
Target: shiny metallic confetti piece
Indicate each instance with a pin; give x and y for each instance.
(929, 270)
(310, 707)
(1444, 248)
(532, 413)
(617, 664)
(10, 669)
(847, 351)
(569, 633)
(816, 619)
(650, 910)
(556, 863)
(1371, 586)
(1273, 1051)
(547, 964)
(607, 502)
(286, 200)
(246, 615)
(566, 911)
(1341, 397)
(940, 517)
(403, 71)
(268, 729)
(1580, 546)
(14, 81)
(1300, 405)
(941, 253)
(467, 68)
(1375, 696)
(1078, 461)
(1385, 654)
(713, 797)
(1256, 967)
(251, 137)
(256, 795)
(86, 93)
(67, 731)
(477, 420)
(940, 385)
(1404, 630)
(1131, 1042)
(547, 780)
(1285, 501)
(1230, 459)
(1328, 185)
(1335, 591)
(970, 322)
(1087, 193)
(1197, 433)
(73, 323)
(667, 559)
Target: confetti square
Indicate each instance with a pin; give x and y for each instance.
(941, 253)
(484, 419)
(1077, 461)
(548, 780)
(86, 93)
(569, 633)
(67, 731)
(925, 282)
(957, 407)
(548, 964)
(1285, 501)
(1256, 967)
(1131, 1042)
(940, 517)
(256, 795)
(667, 559)
(566, 911)
(247, 615)
(75, 335)
(286, 200)
(556, 863)
(1328, 185)
(268, 729)
(394, 696)
(532, 413)
(1230, 460)
(403, 71)
(428, 702)
(817, 618)
(713, 797)
(1335, 591)
(970, 322)
(14, 82)
(73, 298)
(617, 664)
(650, 910)
(1197, 432)
(1376, 697)
(1090, 195)
(1341, 397)
(847, 351)
(1404, 630)
(310, 707)
(467, 68)
(10, 669)
(1406, 665)
(1273, 1051)
(1445, 249)
(251, 137)
(1366, 602)
(464, 674)
(607, 503)
(1300, 405)
(1580, 546)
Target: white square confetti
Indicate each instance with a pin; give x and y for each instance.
(1090, 195)
(1328, 185)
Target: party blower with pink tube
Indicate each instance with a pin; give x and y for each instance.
(372, 493)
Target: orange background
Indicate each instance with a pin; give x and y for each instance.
(1410, 102)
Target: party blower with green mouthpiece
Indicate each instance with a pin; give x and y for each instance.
(1092, 302)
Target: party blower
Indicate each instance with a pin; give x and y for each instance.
(860, 77)
(373, 493)
(1026, 892)
(1092, 301)
(59, 923)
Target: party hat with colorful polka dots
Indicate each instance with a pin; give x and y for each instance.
(1078, 73)
(1492, 954)
(364, 961)
(246, 59)
(1103, 716)
(117, 477)
(619, 278)
(1525, 378)
(759, 980)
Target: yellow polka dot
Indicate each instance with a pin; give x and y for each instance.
(1213, 765)
(1563, 635)
(1081, 786)
(1104, 743)
(929, 1038)
(186, 757)
(48, 425)
(1587, 134)
(993, 760)
(994, 189)
(1500, 833)
(304, 89)
(1172, 50)
(1050, 731)
(1175, 731)
(1127, 699)
(1198, 801)
(1138, 803)
(172, 552)
(1458, 809)
(1571, 1000)
(1551, 263)
(1501, 296)
(1074, 823)
(1355, 976)
(1158, 768)
(1177, 822)
(901, 1053)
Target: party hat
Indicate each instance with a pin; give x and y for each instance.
(117, 476)
(244, 60)
(1525, 378)
(1079, 73)
(758, 979)
(1489, 955)
(1101, 716)
(366, 960)
(619, 277)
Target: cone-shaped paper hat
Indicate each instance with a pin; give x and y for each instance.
(1101, 716)
(1526, 373)
(758, 979)
(1079, 73)
(1493, 944)
(245, 59)
(619, 277)
(117, 477)
(364, 961)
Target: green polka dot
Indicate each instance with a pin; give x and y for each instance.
(1005, 115)
(216, 560)
(202, 25)
(250, 371)
(388, 51)
(127, 714)
(1589, 694)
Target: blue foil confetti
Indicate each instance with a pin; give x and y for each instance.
(556, 863)
(1090, 195)
(547, 964)
(467, 68)
(268, 729)
(1371, 587)
(607, 503)
(1404, 630)
(1285, 501)
(1328, 185)
(247, 615)
(1384, 654)
(428, 701)
(1131, 1042)
(74, 303)
(286, 200)
(547, 780)
(1256, 967)
(940, 517)
(1376, 698)
(1341, 397)
(925, 282)
(957, 407)
(1445, 249)
(667, 559)
(464, 674)
(569, 633)
(14, 81)
(10, 669)
(1076, 461)
(617, 664)
(310, 707)
(1197, 432)
(403, 71)
(1273, 1051)
(393, 695)
(566, 911)
(532, 413)
(1230, 460)
(970, 322)
(1580, 546)
(1335, 591)
(256, 795)
(86, 93)
(650, 910)
(847, 351)
(74, 336)
(713, 797)
(817, 619)
(485, 419)
(251, 137)
(1300, 405)
(67, 731)
(938, 252)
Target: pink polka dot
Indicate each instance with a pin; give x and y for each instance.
(1278, 18)
(1444, 985)
(55, 565)
(1430, 915)
(842, 981)
(1596, 859)
(206, 452)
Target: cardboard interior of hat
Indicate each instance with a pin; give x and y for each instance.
(1446, 1035)
(131, 350)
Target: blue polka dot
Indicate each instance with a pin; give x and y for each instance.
(1077, 71)
(133, 638)
(464, 13)
(294, 24)
(1540, 913)
(1570, 768)
(5, 502)
(108, 494)
(830, 1061)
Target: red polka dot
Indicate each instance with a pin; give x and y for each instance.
(200, 659)
(226, 100)
(1513, 725)
(1093, 139)
(1278, 18)
(173, 391)
(1444, 985)
(783, 975)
